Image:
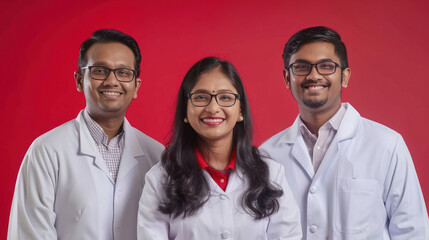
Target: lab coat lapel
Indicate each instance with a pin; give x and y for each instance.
(87, 145)
(235, 181)
(299, 149)
(349, 125)
(330, 157)
(131, 150)
(347, 130)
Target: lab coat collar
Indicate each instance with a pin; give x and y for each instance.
(132, 150)
(86, 142)
(346, 130)
(235, 182)
(350, 123)
(88, 147)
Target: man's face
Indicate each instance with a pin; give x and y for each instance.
(316, 93)
(109, 98)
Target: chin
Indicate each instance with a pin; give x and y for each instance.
(314, 104)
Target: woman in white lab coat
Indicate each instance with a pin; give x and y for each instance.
(211, 182)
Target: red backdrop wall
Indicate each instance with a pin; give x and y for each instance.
(39, 43)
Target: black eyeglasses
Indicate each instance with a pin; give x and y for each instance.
(102, 73)
(222, 99)
(323, 68)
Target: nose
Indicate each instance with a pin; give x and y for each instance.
(213, 107)
(314, 74)
(111, 80)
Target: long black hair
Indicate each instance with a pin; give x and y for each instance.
(186, 188)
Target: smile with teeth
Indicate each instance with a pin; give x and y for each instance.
(110, 93)
(315, 87)
(213, 120)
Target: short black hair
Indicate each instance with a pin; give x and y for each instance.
(107, 36)
(315, 34)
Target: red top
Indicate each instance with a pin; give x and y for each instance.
(221, 178)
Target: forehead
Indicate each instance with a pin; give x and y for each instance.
(111, 53)
(314, 52)
(214, 80)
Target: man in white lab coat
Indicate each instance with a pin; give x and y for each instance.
(83, 179)
(351, 177)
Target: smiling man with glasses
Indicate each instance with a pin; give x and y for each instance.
(352, 178)
(83, 179)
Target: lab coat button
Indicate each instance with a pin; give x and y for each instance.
(225, 235)
(313, 190)
(223, 197)
(313, 228)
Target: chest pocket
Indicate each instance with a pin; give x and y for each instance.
(355, 201)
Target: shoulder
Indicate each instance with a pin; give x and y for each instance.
(155, 176)
(275, 168)
(377, 128)
(377, 133)
(157, 171)
(277, 138)
(146, 141)
(365, 128)
(55, 138)
(44, 151)
(278, 144)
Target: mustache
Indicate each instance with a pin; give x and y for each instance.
(312, 82)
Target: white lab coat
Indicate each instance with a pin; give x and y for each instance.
(222, 216)
(365, 188)
(64, 189)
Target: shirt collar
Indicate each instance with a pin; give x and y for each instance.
(203, 164)
(333, 123)
(100, 137)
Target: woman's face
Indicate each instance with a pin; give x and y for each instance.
(213, 122)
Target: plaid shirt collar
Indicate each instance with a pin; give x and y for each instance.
(97, 133)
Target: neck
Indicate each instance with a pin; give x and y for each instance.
(110, 126)
(217, 153)
(316, 119)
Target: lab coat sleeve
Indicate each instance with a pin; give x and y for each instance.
(286, 223)
(32, 214)
(152, 224)
(403, 197)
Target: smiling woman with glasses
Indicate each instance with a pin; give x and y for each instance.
(212, 183)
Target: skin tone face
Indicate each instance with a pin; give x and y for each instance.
(109, 99)
(213, 123)
(318, 96)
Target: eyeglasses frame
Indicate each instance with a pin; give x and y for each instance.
(110, 70)
(237, 96)
(317, 69)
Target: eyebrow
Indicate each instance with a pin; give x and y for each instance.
(218, 91)
(103, 64)
(320, 61)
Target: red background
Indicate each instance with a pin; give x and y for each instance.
(387, 43)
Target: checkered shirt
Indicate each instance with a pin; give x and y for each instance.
(112, 151)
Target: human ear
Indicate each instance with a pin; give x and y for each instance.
(240, 117)
(79, 80)
(286, 77)
(138, 84)
(346, 77)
